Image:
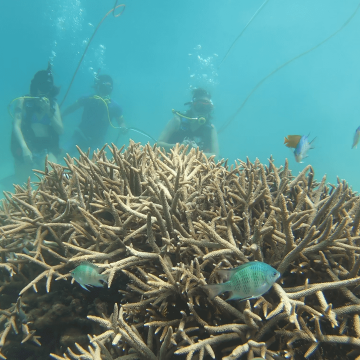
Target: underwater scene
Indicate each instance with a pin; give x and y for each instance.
(179, 180)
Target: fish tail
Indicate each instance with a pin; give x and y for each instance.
(214, 290)
(286, 140)
(104, 278)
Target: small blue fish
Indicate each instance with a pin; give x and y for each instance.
(87, 274)
(247, 281)
(356, 138)
(302, 148)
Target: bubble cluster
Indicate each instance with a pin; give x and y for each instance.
(53, 55)
(72, 32)
(96, 59)
(202, 70)
(67, 17)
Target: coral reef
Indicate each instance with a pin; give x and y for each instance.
(160, 226)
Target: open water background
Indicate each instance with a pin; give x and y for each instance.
(158, 50)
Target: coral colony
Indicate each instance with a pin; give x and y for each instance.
(161, 227)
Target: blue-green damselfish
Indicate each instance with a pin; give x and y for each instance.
(87, 274)
(247, 281)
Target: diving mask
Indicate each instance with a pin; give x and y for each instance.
(202, 106)
(103, 84)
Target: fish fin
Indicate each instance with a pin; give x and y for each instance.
(84, 287)
(88, 263)
(103, 279)
(312, 141)
(234, 296)
(245, 265)
(286, 140)
(226, 274)
(98, 284)
(237, 297)
(249, 297)
(215, 289)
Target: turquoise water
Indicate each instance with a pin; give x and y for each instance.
(157, 51)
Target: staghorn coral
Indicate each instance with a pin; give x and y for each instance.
(161, 225)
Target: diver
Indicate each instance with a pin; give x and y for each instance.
(194, 127)
(98, 111)
(37, 125)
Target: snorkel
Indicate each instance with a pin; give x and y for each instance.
(201, 119)
(201, 104)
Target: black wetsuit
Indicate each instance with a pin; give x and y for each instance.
(94, 123)
(202, 136)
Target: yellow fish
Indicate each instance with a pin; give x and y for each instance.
(291, 141)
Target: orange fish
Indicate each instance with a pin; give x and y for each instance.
(291, 141)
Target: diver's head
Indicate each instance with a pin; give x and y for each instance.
(103, 85)
(201, 104)
(43, 84)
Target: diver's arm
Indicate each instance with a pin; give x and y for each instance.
(17, 130)
(56, 121)
(121, 122)
(71, 109)
(214, 143)
(171, 127)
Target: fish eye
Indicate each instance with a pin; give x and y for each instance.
(275, 273)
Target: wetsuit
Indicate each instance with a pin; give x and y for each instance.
(94, 122)
(202, 136)
(39, 146)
